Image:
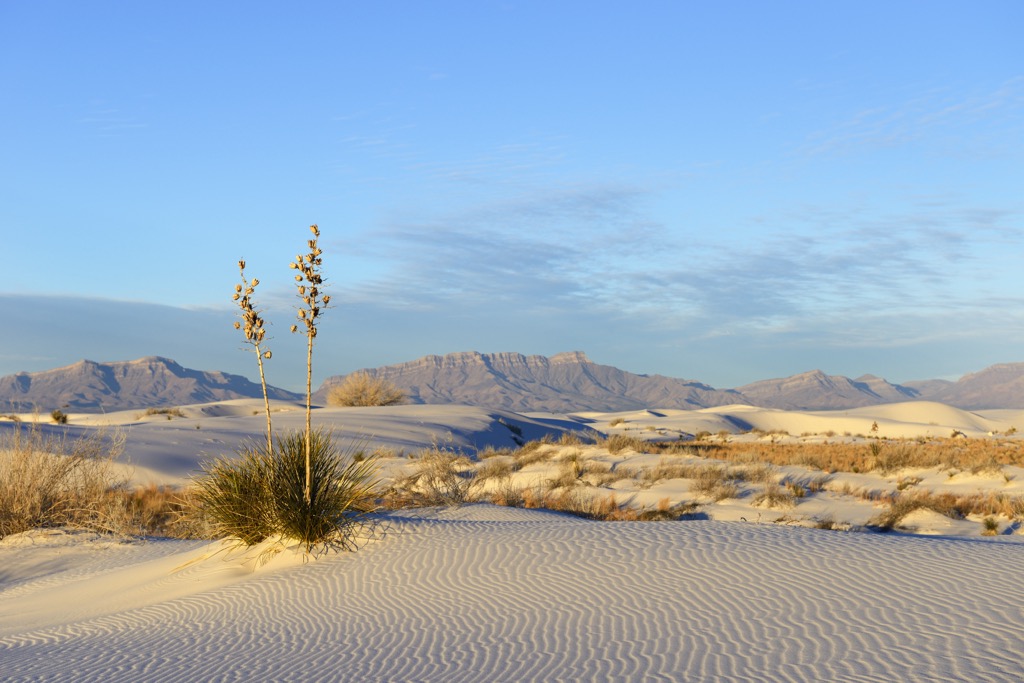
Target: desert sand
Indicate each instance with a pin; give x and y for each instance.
(486, 593)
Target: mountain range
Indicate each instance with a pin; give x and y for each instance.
(566, 382)
(87, 386)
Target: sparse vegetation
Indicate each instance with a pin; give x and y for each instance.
(441, 477)
(169, 412)
(50, 481)
(363, 389)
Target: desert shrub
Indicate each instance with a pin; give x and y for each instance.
(569, 472)
(169, 412)
(715, 483)
(533, 452)
(363, 389)
(507, 494)
(442, 477)
(902, 504)
(617, 443)
(51, 481)
(159, 511)
(494, 468)
(774, 496)
(59, 416)
(259, 494)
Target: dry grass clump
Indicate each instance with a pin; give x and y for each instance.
(774, 496)
(169, 412)
(52, 481)
(884, 456)
(617, 443)
(715, 483)
(534, 452)
(363, 389)
(441, 477)
(603, 508)
(494, 468)
(159, 511)
(990, 504)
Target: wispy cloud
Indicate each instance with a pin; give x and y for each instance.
(848, 275)
(970, 121)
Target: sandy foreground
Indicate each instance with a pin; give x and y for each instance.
(485, 593)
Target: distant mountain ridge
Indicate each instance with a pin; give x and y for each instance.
(562, 383)
(817, 391)
(565, 382)
(87, 386)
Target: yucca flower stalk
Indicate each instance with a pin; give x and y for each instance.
(255, 334)
(314, 302)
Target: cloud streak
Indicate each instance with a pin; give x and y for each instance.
(594, 252)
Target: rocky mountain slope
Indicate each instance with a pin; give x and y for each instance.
(153, 381)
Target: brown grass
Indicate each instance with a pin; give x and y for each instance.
(883, 456)
(50, 480)
(363, 389)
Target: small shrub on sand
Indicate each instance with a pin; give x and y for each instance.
(442, 477)
(50, 481)
(714, 483)
(363, 389)
(169, 412)
(617, 443)
(59, 416)
(533, 452)
(494, 468)
(902, 504)
(774, 496)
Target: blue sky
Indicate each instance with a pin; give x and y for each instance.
(722, 191)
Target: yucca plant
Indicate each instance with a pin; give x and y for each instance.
(263, 493)
(298, 485)
(314, 302)
(325, 504)
(233, 495)
(255, 334)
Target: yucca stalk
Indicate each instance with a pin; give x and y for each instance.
(254, 335)
(309, 281)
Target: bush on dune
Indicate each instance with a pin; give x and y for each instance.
(362, 389)
(51, 481)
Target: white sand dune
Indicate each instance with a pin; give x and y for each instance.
(495, 594)
(481, 593)
(894, 420)
(168, 449)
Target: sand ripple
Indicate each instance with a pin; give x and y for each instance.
(485, 594)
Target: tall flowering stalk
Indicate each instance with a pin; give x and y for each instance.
(254, 335)
(309, 283)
